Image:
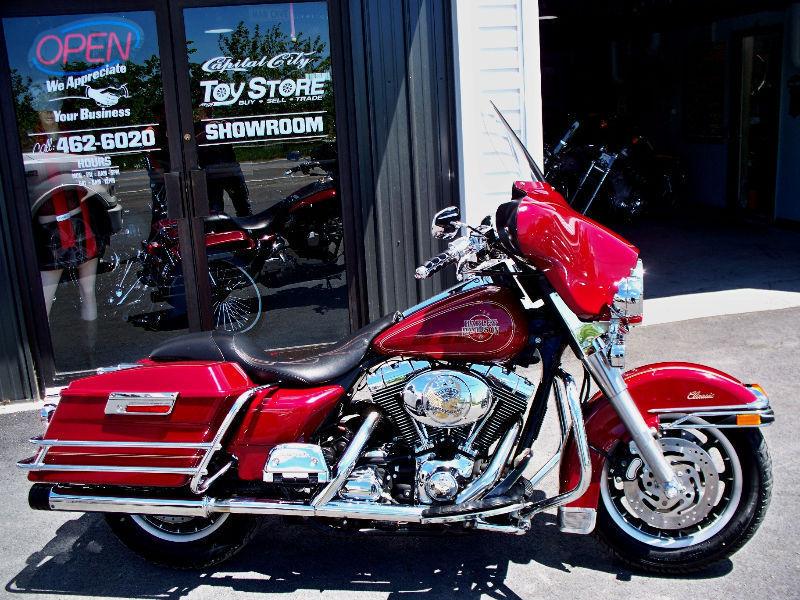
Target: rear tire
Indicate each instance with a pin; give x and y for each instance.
(655, 555)
(184, 544)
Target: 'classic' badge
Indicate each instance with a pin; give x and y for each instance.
(698, 395)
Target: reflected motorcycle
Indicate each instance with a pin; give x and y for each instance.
(299, 238)
(428, 418)
(614, 176)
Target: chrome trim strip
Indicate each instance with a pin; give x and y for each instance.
(753, 406)
(119, 367)
(96, 444)
(681, 419)
(118, 403)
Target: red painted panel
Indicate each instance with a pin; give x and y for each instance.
(314, 198)
(288, 415)
(581, 259)
(485, 324)
(657, 386)
(238, 238)
(206, 391)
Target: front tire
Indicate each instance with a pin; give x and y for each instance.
(184, 542)
(686, 538)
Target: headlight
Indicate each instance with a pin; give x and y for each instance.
(629, 299)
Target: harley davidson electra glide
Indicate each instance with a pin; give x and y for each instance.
(422, 419)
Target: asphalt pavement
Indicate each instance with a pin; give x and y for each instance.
(52, 555)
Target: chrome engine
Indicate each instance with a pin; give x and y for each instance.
(447, 417)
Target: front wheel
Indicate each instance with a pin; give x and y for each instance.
(727, 480)
(184, 542)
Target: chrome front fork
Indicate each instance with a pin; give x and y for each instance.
(612, 384)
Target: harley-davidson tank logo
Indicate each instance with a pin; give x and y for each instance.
(480, 328)
(698, 395)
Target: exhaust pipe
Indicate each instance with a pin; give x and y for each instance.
(49, 497)
(44, 496)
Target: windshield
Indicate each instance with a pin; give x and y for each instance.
(506, 156)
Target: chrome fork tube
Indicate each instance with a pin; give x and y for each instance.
(611, 382)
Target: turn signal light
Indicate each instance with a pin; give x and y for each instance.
(748, 419)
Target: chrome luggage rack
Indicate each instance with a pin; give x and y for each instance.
(199, 482)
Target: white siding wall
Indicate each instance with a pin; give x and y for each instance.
(496, 58)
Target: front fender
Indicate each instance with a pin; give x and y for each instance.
(681, 387)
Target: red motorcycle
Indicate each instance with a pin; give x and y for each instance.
(297, 239)
(423, 420)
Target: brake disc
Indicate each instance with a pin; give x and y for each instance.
(696, 472)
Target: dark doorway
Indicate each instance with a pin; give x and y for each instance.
(758, 74)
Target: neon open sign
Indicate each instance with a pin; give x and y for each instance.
(87, 43)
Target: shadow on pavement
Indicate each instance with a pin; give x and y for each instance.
(84, 558)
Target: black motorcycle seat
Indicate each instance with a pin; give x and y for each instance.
(256, 222)
(263, 366)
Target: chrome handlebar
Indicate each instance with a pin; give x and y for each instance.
(457, 250)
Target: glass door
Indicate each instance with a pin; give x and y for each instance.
(181, 173)
(93, 96)
(256, 86)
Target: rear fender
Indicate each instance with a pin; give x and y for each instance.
(673, 386)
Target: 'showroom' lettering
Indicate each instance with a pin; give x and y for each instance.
(264, 128)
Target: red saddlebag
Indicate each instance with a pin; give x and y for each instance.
(146, 426)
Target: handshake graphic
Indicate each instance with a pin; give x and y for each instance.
(108, 96)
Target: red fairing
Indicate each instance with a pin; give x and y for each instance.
(485, 324)
(206, 391)
(657, 386)
(581, 259)
(287, 415)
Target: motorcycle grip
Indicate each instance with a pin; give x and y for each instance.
(433, 265)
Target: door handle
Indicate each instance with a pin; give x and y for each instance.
(172, 188)
(200, 192)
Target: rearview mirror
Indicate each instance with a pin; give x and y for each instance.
(445, 223)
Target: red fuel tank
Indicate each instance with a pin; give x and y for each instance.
(485, 324)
